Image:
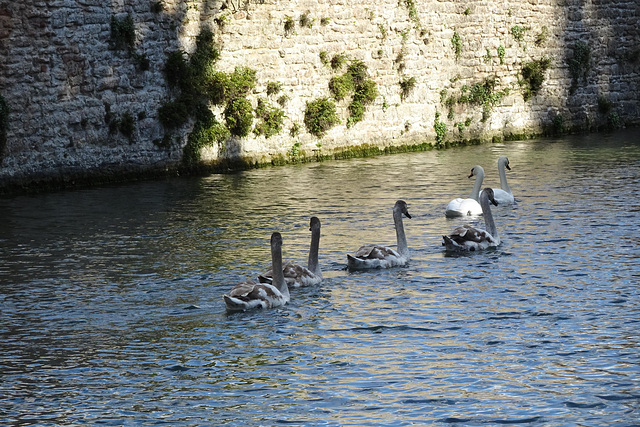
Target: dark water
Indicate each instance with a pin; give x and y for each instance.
(112, 311)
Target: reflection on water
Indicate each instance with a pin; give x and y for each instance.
(112, 310)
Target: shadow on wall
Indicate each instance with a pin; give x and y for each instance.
(596, 36)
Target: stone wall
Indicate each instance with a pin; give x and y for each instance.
(80, 106)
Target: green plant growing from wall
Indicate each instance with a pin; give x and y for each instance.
(365, 91)
(306, 21)
(173, 114)
(383, 31)
(221, 21)
(206, 131)
(613, 121)
(200, 85)
(294, 131)
(141, 60)
(270, 119)
(123, 33)
(341, 86)
(501, 54)
(289, 26)
(441, 130)
(557, 126)
(4, 125)
(413, 12)
(533, 76)
(273, 88)
(324, 58)
(456, 42)
(488, 57)
(238, 115)
(282, 100)
(481, 93)
(295, 151)
(579, 64)
(542, 36)
(319, 116)
(517, 32)
(604, 105)
(127, 125)
(407, 85)
(338, 61)
(175, 70)
(385, 104)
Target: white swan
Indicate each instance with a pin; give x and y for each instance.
(467, 238)
(248, 295)
(373, 256)
(470, 206)
(503, 195)
(296, 275)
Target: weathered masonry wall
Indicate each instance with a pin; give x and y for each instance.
(79, 105)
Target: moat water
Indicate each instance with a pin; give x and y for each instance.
(112, 311)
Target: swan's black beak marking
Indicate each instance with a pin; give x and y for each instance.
(407, 215)
(506, 165)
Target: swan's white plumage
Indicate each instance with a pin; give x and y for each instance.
(296, 275)
(503, 195)
(375, 256)
(250, 294)
(467, 238)
(469, 206)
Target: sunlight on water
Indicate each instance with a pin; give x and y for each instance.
(112, 308)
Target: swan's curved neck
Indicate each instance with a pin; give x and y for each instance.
(503, 178)
(276, 268)
(489, 224)
(400, 236)
(475, 193)
(313, 265)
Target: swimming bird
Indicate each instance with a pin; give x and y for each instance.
(296, 275)
(468, 238)
(503, 195)
(470, 206)
(374, 256)
(250, 294)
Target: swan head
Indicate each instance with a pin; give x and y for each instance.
(477, 171)
(276, 240)
(401, 206)
(314, 224)
(488, 193)
(505, 161)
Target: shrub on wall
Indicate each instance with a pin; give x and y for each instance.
(173, 114)
(320, 116)
(579, 64)
(206, 131)
(533, 76)
(239, 116)
(407, 84)
(456, 42)
(123, 34)
(441, 130)
(270, 119)
(340, 86)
